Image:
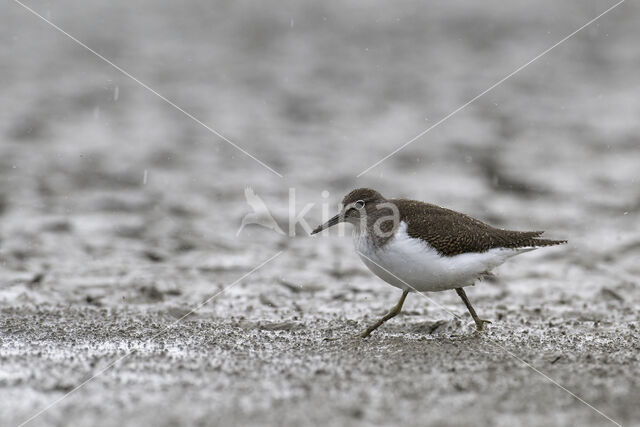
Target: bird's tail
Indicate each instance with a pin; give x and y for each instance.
(547, 242)
(532, 239)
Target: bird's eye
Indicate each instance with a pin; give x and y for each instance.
(359, 204)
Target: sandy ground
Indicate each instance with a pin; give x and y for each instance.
(118, 214)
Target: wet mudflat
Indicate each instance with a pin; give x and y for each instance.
(118, 214)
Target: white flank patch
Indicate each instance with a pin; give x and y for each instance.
(421, 266)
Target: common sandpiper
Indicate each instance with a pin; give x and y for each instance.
(420, 247)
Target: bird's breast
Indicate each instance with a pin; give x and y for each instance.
(410, 263)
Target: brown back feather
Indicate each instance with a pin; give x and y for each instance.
(453, 233)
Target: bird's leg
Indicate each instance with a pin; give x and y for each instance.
(479, 322)
(393, 312)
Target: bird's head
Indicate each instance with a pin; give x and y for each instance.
(355, 207)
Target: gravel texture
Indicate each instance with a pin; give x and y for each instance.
(118, 214)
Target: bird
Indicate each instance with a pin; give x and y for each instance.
(421, 247)
(260, 215)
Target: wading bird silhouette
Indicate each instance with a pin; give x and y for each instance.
(260, 215)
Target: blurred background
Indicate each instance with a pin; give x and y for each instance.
(119, 212)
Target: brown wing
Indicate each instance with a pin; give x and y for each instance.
(453, 233)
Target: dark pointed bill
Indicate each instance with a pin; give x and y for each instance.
(333, 221)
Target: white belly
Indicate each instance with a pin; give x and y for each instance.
(411, 264)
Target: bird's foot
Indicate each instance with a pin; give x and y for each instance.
(480, 324)
(364, 334)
